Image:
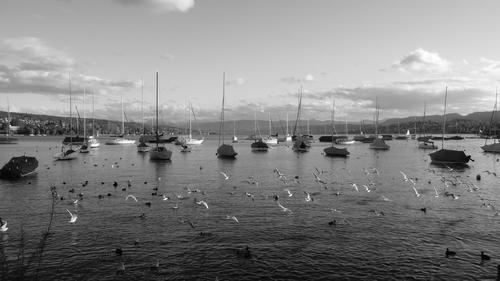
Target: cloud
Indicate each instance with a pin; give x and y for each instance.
(490, 67)
(162, 5)
(422, 61)
(167, 56)
(31, 65)
(293, 80)
(238, 81)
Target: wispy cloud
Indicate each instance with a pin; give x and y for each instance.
(162, 5)
(167, 56)
(422, 61)
(238, 81)
(293, 80)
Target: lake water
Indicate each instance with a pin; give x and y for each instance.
(378, 235)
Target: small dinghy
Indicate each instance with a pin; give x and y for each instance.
(19, 167)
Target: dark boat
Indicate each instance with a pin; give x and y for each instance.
(259, 145)
(387, 137)
(454, 138)
(333, 151)
(162, 140)
(424, 138)
(447, 156)
(19, 167)
(332, 138)
(74, 140)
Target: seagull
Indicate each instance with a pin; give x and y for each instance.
(355, 186)
(385, 198)
(232, 218)
(449, 253)
(175, 207)
(226, 176)
(201, 202)
(437, 194)
(250, 195)
(416, 191)
(290, 194)
(73, 216)
(131, 196)
(75, 202)
(284, 209)
(484, 257)
(366, 187)
(188, 221)
(318, 179)
(165, 197)
(449, 168)
(308, 198)
(3, 225)
(404, 176)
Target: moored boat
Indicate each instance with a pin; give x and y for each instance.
(19, 167)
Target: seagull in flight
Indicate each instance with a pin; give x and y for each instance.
(232, 218)
(131, 196)
(3, 225)
(366, 187)
(290, 194)
(73, 216)
(201, 202)
(404, 176)
(355, 186)
(318, 179)
(308, 196)
(226, 176)
(165, 197)
(437, 194)
(284, 209)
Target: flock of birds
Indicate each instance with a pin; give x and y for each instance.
(290, 186)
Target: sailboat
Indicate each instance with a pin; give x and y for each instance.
(258, 144)
(190, 140)
(378, 143)
(142, 146)
(425, 142)
(92, 142)
(67, 153)
(270, 139)
(448, 156)
(121, 139)
(159, 152)
(300, 143)
(333, 151)
(7, 139)
(84, 148)
(402, 137)
(224, 150)
(235, 138)
(495, 146)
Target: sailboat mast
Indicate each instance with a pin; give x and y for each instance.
(287, 124)
(492, 116)
(444, 117)
(93, 120)
(269, 123)
(70, 115)
(221, 124)
(84, 119)
(123, 119)
(142, 105)
(189, 112)
(157, 136)
(423, 121)
(8, 117)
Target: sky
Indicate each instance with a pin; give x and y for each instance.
(402, 54)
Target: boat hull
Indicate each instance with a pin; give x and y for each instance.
(333, 151)
(379, 144)
(19, 167)
(160, 153)
(120, 141)
(226, 151)
(448, 156)
(493, 148)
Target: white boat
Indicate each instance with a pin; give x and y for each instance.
(159, 152)
(224, 150)
(495, 146)
(270, 139)
(378, 143)
(287, 137)
(67, 152)
(235, 138)
(92, 141)
(190, 140)
(121, 140)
